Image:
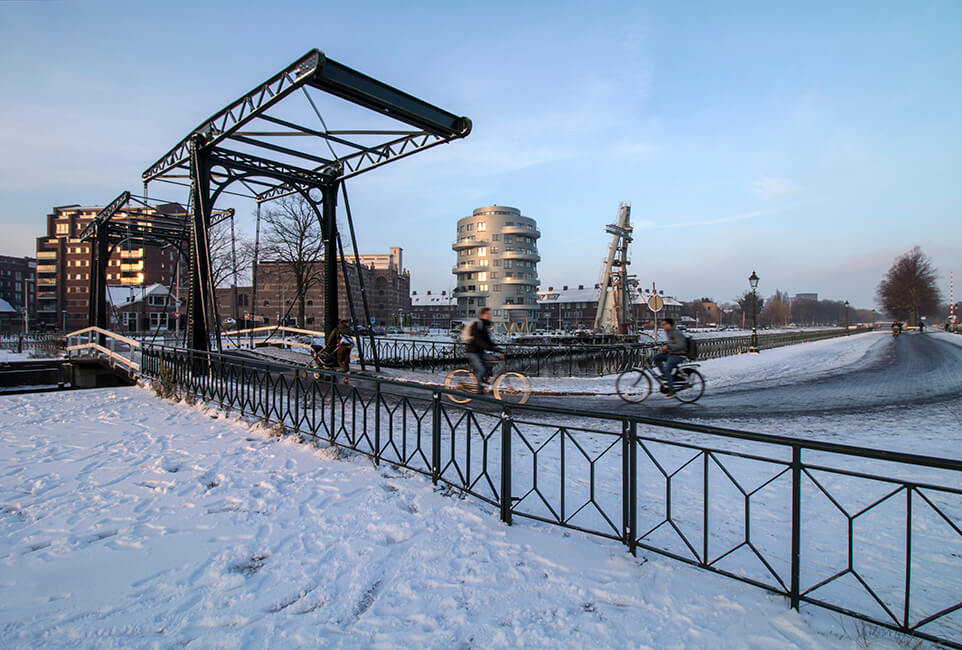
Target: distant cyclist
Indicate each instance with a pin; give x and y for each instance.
(672, 353)
(477, 338)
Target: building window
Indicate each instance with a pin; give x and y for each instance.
(63, 228)
(483, 275)
(482, 226)
(496, 237)
(482, 287)
(482, 262)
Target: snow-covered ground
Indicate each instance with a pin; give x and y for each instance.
(128, 521)
(7, 356)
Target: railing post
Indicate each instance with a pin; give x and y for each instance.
(796, 524)
(633, 486)
(377, 423)
(626, 531)
(436, 438)
(506, 425)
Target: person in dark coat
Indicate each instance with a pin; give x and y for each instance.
(338, 344)
(479, 341)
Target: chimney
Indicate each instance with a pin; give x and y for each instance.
(564, 288)
(429, 292)
(581, 286)
(597, 286)
(550, 288)
(444, 293)
(414, 293)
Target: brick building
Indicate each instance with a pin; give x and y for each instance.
(575, 308)
(63, 267)
(18, 278)
(388, 288)
(433, 310)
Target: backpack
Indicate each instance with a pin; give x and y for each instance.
(467, 332)
(691, 348)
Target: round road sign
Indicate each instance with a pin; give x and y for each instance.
(655, 303)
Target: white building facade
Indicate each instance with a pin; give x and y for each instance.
(497, 265)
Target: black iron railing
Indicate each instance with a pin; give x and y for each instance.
(872, 534)
(52, 345)
(548, 359)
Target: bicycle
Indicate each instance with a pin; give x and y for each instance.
(634, 384)
(508, 386)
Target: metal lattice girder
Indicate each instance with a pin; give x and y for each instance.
(144, 222)
(434, 125)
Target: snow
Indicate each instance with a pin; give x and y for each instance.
(7, 356)
(134, 522)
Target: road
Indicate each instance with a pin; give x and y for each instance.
(912, 370)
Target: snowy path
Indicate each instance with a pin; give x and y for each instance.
(132, 522)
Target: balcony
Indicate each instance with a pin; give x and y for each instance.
(527, 307)
(466, 243)
(47, 282)
(532, 281)
(521, 230)
(516, 254)
(470, 268)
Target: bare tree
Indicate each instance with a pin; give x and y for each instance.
(777, 310)
(908, 290)
(293, 237)
(229, 258)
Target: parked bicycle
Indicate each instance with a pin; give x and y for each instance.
(634, 384)
(507, 386)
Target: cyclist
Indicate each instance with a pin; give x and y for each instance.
(338, 345)
(672, 353)
(477, 338)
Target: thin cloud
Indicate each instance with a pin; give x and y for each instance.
(773, 188)
(729, 219)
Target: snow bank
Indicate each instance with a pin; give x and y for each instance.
(130, 522)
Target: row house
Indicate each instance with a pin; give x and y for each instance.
(575, 308)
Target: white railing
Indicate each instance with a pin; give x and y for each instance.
(266, 334)
(114, 346)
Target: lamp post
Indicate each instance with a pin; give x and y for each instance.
(753, 282)
(846, 314)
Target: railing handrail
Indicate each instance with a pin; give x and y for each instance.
(130, 363)
(766, 438)
(119, 337)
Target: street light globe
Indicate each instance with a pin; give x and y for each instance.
(753, 280)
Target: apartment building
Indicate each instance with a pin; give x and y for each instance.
(18, 288)
(63, 267)
(387, 283)
(497, 265)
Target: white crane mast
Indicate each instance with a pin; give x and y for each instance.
(614, 296)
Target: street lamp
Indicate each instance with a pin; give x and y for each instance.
(846, 314)
(753, 282)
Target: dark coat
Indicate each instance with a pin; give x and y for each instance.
(480, 337)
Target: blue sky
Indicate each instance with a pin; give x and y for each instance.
(812, 143)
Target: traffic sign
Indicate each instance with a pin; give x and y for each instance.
(373, 320)
(655, 303)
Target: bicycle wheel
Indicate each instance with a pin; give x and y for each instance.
(693, 388)
(512, 387)
(633, 385)
(462, 380)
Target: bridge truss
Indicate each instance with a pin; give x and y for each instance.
(246, 149)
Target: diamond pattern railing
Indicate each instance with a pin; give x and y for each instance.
(871, 534)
